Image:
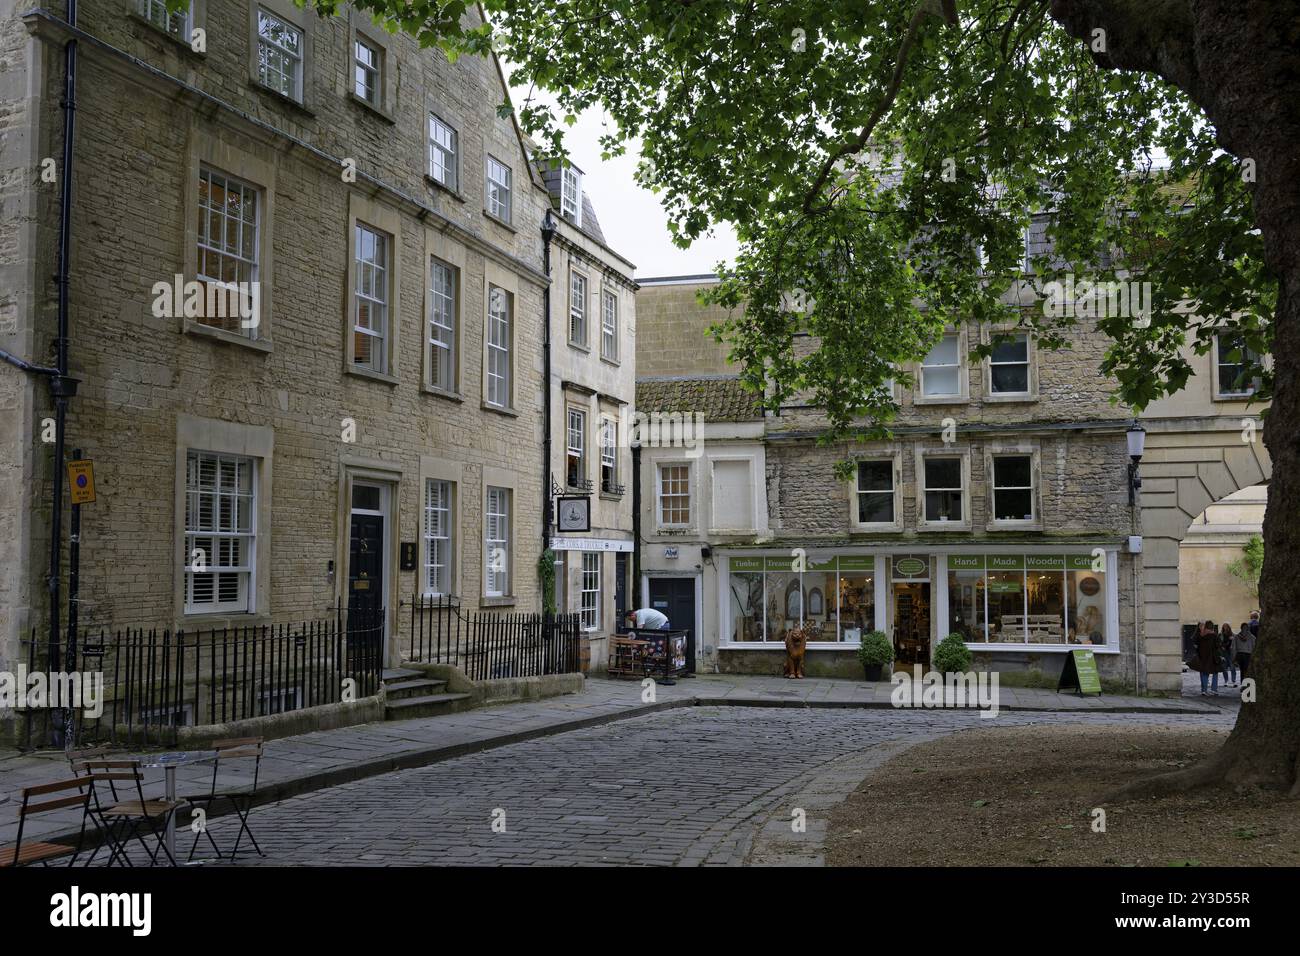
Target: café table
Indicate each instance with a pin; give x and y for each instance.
(170, 762)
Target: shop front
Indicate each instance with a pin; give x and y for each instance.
(1010, 605)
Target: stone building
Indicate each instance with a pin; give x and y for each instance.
(1203, 491)
(593, 363)
(1000, 509)
(375, 377)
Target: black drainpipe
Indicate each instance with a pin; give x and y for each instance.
(61, 387)
(636, 525)
(548, 233)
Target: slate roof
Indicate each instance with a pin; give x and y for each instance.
(718, 399)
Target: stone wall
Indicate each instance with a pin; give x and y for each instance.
(139, 142)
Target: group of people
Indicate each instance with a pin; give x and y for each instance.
(1220, 650)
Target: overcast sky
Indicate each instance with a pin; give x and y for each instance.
(631, 218)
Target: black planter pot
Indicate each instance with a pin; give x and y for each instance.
(873, 671)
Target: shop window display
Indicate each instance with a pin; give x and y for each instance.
(746, 607)
(857, 606)
(966, 605)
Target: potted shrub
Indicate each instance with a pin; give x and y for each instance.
(874, 652)
(952, 656)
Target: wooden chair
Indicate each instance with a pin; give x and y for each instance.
(239, 798)
(78, 758)
(123, 820)
(20, 854)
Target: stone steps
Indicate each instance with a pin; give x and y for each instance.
(426, 705)
(409, 694)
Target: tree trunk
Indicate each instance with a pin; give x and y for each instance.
(1239, 60)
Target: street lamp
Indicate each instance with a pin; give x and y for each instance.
(1137, 442)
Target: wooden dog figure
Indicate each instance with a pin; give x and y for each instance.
(796, 643)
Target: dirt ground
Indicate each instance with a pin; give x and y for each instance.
(1024, 796)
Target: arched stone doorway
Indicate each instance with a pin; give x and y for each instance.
(1184, 470)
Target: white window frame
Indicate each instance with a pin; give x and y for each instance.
(1028, 363)
(500, 354)
(895, 490)
(439, 534)
(156, 14)
(207, 250)
(367, 78)
(380, 270)
(924, 523)
(922, 398)
(209, 564)
(609, 325)
(294, 58)
(498, 193)
(660, 494)
(579, 292)
(575, 444)
(999, 454)
(589, 601)
(609, 454)
(1221, 389)
(571, 194)
(442, 324)
(496, 534)
(444, 156)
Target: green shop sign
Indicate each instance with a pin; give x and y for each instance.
(1005, 562)
(1084, 562)
(1044, 562)
(852, 562)
(857, 563)
(1005, 587)
(965, 562)
(910, 567)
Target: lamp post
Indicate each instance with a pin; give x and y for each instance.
(1137, 441)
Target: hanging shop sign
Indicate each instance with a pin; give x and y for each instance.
(574, 514)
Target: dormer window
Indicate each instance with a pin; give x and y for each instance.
(571, 194)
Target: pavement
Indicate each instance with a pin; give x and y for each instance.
(319, 761)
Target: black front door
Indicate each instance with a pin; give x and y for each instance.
(675, 597)
(620, 591)
(366, 567)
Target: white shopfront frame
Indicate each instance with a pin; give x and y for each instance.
(938, 594)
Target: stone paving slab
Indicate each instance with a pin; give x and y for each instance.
(296, 765)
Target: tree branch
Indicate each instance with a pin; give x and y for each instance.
(1149, 36)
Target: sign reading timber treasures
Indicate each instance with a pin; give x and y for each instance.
(1080, 673)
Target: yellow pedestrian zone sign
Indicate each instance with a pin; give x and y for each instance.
(81, 481)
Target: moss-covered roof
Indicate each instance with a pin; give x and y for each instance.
(717, 399)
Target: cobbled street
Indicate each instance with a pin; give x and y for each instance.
(684, 787)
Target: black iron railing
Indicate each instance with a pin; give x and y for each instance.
(154, 681)
(488, 645)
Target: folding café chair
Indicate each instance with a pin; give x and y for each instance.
(240, 798)
(123, 820)
(35, 851)
(78, 758)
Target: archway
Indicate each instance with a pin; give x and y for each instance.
(1184, 472)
